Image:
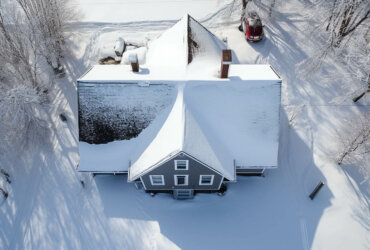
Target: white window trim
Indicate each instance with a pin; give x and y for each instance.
(187, 164)
(155, 184)
(186, 179)
(207, 184)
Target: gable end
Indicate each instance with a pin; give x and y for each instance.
(193, 174)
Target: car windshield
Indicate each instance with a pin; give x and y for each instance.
(255, 31)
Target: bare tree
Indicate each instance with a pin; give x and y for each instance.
(346, 16)
(265, 8)
(48, 18)
(31, 38)
(244, 4)
(23, 113)
(341, 29)
(272, 7)
(355, 143)
(18, 52)
(294, 113)
(357, 98)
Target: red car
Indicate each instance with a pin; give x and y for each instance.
(252, 27)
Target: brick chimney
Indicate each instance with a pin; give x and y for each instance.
(226, 61)
(134, 62)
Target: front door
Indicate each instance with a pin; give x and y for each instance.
(181, 194)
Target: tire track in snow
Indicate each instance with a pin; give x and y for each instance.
(304, 234)
(132, 27)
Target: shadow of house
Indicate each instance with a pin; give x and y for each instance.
(274, 212)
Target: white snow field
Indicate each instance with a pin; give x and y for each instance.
(48, 208)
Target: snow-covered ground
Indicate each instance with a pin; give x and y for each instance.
(48, 208)
(143, 10)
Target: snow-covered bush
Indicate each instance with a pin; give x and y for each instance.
(22, 109)
(140, 53)
(120, 46)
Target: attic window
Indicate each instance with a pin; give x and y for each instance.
(181, 164)
(156, 180)
(206, 180)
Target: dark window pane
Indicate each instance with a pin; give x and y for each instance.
(181, 164)
(206, 179)
(180, 180)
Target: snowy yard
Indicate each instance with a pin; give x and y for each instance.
(48, 208)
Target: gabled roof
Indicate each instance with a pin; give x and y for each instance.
(187, 42)
(221, 122)
(182, 132)
(241, 114)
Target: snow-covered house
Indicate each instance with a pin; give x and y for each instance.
(176, 126)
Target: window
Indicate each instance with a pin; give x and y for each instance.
(181, 180)
(181, 164)
(206, 180)
(156, 180)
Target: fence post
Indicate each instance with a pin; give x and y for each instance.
(316, 190)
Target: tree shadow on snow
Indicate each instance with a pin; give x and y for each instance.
(361, 187)
(286, 48)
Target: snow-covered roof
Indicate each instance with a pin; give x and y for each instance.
(241, 115)
(182, 132)
(123, 73)
(186, 49)
(218, 121)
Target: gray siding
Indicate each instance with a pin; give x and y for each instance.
(195, 170)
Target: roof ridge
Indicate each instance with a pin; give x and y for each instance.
(183, 114)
